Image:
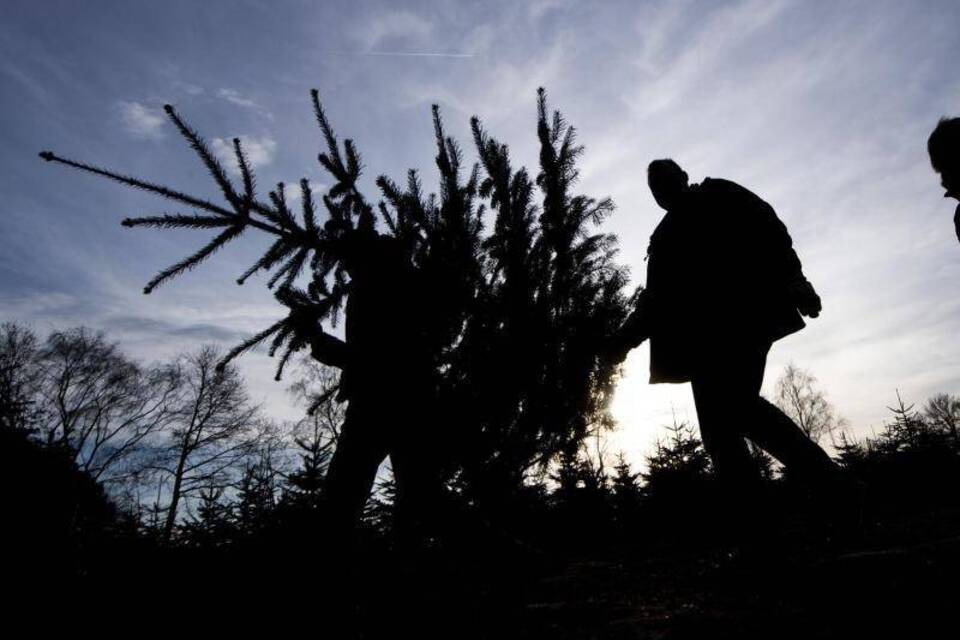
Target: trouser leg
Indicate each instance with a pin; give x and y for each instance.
(774, 432)
(733, 407)
(409, 502)
(839, 495)
(350, 477)
(725, 391)
(725, 400)
(730, 409)
(353, 469)
(415, 459)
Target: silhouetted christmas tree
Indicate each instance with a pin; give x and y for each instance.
(626, 492)
(513, 322)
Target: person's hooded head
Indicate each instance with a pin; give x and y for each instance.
(668, 182)
(944, 148)
(355, 246)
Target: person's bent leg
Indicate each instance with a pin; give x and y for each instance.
(774, 432)
(839, 494)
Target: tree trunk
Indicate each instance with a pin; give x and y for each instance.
(174, 497)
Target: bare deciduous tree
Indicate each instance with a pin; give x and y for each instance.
(215, 428)
(797, 395)
(18, 377)
(942, 411)
(98, 404)
(315, 390)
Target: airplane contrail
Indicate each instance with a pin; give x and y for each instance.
(416, 54)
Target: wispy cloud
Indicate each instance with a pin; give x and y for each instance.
(259, 150)
(317, 189)
(188, 88)
(392, 28)
(236, 98)
(140, 120)
(538, 8)
(152, 327)
(26, 80)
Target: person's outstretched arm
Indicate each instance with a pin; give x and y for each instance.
(329, 350)
(632, 333)
(325, 348)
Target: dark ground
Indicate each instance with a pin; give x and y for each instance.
(664, 576)
(900, 577)
(903, 574)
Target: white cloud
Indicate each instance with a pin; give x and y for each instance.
(140, 120)
(188, 88)
(317, 190)
(260, 151)
(538, 8)
(391, 27)
(236, 98)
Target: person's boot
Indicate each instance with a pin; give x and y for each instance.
(748, 531)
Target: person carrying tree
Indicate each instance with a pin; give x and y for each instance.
(388, 366)
(723, 284)
(387, 381)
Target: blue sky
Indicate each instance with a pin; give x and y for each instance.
(822, 108)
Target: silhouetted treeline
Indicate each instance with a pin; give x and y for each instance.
(914, 459)
(96, 448)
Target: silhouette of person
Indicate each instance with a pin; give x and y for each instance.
(387, 382)
(723, 284)
(944, 149)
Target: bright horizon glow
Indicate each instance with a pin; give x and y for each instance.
(643, 410)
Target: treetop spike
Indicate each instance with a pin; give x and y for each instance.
(47, 155)
(168, 108)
